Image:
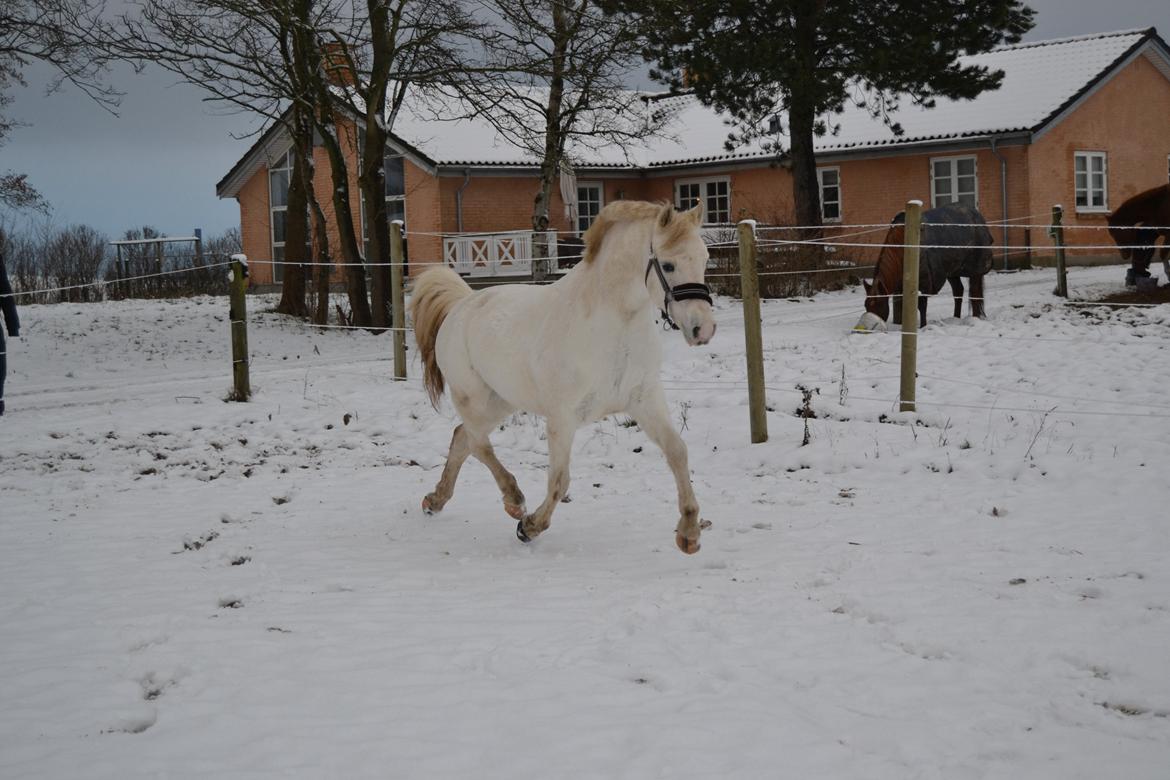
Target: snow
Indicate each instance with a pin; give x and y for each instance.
(196, 588)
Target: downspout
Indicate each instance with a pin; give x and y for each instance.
(1003, 194)
(459, 199)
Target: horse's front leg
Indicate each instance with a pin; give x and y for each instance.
(976, 297)
(560, 447)
(654, 419)
(957, 292)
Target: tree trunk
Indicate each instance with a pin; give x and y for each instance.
(296, 235)
(802, 118)
(351, 256)
(372, 176)
(554, 142)
(372, 181)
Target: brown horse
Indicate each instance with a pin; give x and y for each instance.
(963, 232)
(1152, 208)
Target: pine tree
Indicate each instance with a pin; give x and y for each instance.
(802, 60)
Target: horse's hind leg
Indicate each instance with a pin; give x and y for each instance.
(560, 446)
(976, 297)
(471, 438)
(481, 448)
(456, 455)
(957, 291)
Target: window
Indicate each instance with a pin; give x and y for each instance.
(394, 172)
(395, 187)
(715, 194)
(830, 181)
(953, 180)
(1091, 181)
(279, 173)
(589, 202)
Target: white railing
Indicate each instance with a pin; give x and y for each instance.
(495, 254)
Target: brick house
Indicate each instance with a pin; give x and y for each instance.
(1078, 121)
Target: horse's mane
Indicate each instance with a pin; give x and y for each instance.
(627, 211)
(1121, 216)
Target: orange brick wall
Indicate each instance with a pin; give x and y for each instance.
(1127, 118)
(254, 228)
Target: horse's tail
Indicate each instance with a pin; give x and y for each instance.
(436, 291)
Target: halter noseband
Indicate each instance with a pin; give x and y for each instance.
(690, 291)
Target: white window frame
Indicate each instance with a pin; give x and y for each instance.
(821, 192)
(704, 183)
(954, 179)
(282, 163)
(592, 185)
(1088, 189)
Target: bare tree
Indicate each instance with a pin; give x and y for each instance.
(402, 45)
(252, 57)
(552, 83)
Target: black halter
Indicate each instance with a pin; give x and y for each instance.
(680, 292)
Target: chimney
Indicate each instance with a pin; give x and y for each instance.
(337, 69)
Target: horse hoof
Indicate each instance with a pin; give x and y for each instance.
(689, 546)
(428, 508)
(520, 533)
(515, 510)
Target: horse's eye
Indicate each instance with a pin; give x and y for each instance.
(668, 267)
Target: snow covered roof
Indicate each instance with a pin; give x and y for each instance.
(1041, 80)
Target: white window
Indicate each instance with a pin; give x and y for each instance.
(279, 174)
(715, 195)
(590, 199)
(953, 180)
(1091, 181)
(830, 182)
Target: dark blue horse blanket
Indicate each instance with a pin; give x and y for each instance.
(948, 226)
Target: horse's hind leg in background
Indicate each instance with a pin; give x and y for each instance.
(560, 447)
(471, 438)
(654, 419)
(976, 297)
(957, 291)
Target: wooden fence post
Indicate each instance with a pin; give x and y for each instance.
(397, 298)
(753, 337)
(910, 306)
(1057, 233)
(241, 385)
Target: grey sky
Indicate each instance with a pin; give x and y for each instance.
(158, 161)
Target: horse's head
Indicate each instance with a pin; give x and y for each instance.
(877, 301)
(678, 246)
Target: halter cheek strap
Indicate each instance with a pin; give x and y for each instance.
(690, 291)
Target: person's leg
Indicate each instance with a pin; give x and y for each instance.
(3, 369)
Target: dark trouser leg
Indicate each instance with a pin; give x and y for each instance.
(3, 370)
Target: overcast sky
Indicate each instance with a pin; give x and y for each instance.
(157, 162)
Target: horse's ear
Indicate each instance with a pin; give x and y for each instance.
(695, 215)
(665, 215)
(866, 285)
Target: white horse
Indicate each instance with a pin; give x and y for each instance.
(572, 352)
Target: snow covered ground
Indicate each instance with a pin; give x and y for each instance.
(194, 588)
